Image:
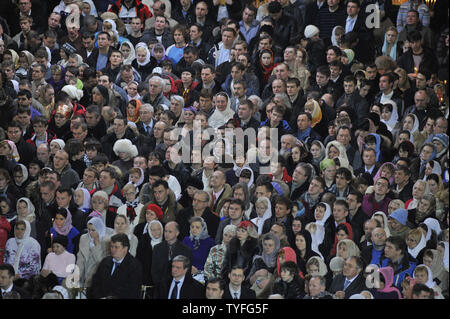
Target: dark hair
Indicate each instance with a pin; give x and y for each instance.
(162, 183)
(157, 171)
(398, 242)
(214, 280)
(66, 190)
(238, 202)
(100, 158)
(359, 196)
(345, 172)
(325, 70)
(121, 238)
(62, 212)
(418, 288)
(111, 171)
(282, 200)
(9, 268)
(342, 202)
(291, 267)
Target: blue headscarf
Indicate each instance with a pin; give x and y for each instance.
(393, 53)
(378, 146)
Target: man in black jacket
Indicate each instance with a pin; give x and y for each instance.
(119, 275)
(235, 289)
(285, 26)
(7, 285)
(26, 150)
(99, 57)
(181, 285)
(356, 214)
(165, 252)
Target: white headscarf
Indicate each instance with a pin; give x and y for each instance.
(73, 92)
(99, 226)
(132, 55)
(393, 120)
(21, 243)
(317, 237)
(416, 250)
(432, 224)
(155, 241)
(25, 175)
(343, 159)
(385, 222)
(259, 221)
(31, 216)
(86, 199)
(326, 215)
(113, 27)
(147, 57)
(93, 8)
(430, 282)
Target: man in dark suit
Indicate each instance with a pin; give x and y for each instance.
(7, 274)
(235, 289)
(351, 281)
(370, 164)
(181, 285)
(118, 275)
(165, 252)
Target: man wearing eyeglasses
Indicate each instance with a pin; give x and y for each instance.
(199, 208)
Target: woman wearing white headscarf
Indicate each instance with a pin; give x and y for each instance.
(84, 203)
(432, 225)
(430, 283)
(317, 232)
(392, 121)
(144, 252)
(93, 247)
(144, 62)
(26, 211)
(122, 226)
(23, 251)
(223, 112)
(342, 156)
(264, 212)
(385, 222)
(128, 56)
(93, 9)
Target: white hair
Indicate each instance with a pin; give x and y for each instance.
(149, 107)
(160, 79)
(178, 98)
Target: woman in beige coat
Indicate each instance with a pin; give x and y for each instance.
(93, 247)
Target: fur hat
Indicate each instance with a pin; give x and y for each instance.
(125, 146)
(310, 31)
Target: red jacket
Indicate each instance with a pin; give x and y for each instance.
(50, 137)
(142, 10)
(5, 228)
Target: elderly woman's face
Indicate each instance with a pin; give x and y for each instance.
(150, 215)
(156, 230)
(196, 228)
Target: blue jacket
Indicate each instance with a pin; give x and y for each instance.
(406, 267)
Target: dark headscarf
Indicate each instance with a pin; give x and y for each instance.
(301, 262)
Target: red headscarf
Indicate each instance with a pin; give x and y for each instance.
(289, 255)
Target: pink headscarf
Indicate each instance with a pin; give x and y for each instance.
(65, 229)
(388, 274)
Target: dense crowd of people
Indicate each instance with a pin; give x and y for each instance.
(124, 172)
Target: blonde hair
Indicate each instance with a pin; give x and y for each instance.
(129, 187)
(416, 234)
